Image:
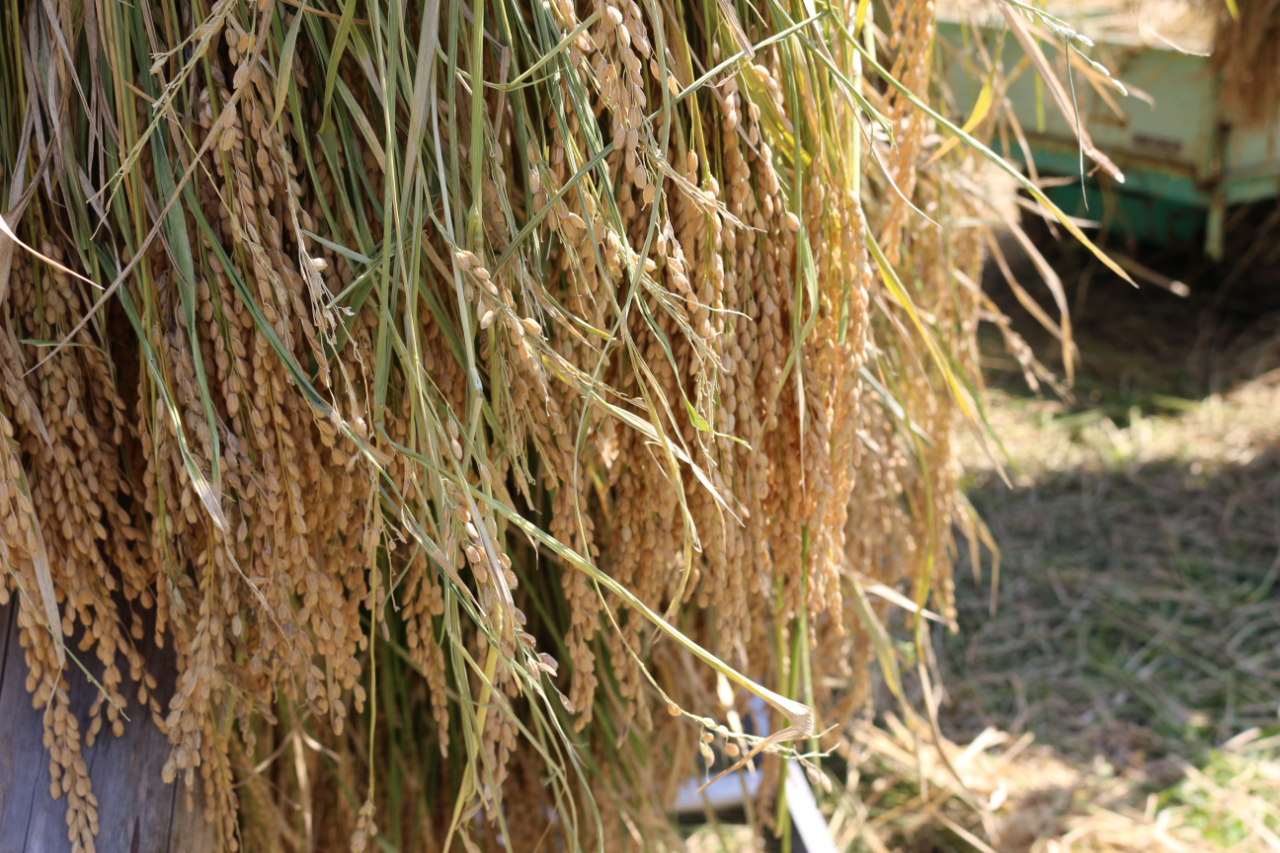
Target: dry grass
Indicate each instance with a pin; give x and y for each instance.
(724, 838)
(1017, 796)
(1247, 54)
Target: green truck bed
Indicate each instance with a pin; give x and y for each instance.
(1185, 158)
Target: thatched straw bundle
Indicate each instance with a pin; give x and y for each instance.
(1246, 52)
(469, 393)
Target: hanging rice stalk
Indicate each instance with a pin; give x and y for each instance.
(485, 401)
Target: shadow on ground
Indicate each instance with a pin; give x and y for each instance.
(1137, 611)
(1145, 346)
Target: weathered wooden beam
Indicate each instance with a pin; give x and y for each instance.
(137, 811)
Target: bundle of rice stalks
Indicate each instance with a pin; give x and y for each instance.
(515, 367)
(1246, 52)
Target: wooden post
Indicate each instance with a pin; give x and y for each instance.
(137, 811)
